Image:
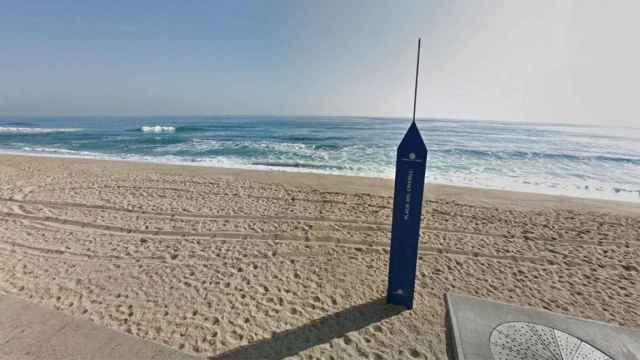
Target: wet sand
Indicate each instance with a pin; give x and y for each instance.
(237, 264)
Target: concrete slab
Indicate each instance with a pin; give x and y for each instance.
(29, 331)
(486, 330)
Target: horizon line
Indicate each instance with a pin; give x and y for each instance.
(408, 117)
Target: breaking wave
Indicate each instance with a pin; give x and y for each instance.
(157, 129)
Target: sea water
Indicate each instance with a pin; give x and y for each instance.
(595, 162)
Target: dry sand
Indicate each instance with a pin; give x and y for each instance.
(236, 264)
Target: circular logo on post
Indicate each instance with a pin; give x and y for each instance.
(412, 156)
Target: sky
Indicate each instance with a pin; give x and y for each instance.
(530, 61)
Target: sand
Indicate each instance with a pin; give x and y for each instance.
(237, 264)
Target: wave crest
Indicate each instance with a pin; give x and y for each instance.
(535, 155)
(157, 129)
(23, 130)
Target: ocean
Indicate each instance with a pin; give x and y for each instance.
(584, 161)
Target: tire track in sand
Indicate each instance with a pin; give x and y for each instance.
(80, 225)
(357, 224)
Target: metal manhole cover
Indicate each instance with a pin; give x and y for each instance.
(527, 341)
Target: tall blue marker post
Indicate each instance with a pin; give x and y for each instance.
(411, 167)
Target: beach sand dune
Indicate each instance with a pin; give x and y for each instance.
(235, 264)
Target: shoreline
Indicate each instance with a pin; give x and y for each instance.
(267, 169)
(237, 264)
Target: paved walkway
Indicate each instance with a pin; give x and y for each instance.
(29, 331)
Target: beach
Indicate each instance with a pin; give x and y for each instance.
(241, 264)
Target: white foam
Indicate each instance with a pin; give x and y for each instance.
(542, 184)
(158, 129)
(21, 130)
(47, 150)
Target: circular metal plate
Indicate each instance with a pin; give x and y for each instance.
(527, 341)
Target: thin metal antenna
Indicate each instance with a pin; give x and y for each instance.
(415, 91)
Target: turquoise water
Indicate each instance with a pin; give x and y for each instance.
(596, 162)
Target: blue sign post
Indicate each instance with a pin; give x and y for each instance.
(411, 165)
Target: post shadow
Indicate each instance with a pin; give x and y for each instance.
(316, 332)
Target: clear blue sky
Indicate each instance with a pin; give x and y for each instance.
(558, 61)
